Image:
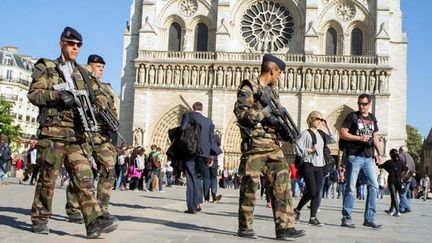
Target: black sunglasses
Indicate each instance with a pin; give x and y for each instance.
(362, 104)
(73, 43)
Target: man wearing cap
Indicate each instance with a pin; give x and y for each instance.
(61, 138)
(103, 152)
(262, 154)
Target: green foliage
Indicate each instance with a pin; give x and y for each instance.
(414, 142)
(6, 126)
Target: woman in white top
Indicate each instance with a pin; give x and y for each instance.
(312, 163)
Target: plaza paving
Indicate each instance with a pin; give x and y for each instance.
(159, 217)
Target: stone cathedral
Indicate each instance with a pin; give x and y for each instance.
(177, 52)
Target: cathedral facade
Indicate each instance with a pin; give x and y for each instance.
(177, 52)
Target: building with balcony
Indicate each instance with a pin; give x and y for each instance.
(177, 52)
(15, 79)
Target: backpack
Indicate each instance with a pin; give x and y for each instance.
(190, 138)
(343, 143)
(329, 162)
(139, 164)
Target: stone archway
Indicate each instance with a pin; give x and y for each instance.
(335, 120)
(231, 145)
(169, 120)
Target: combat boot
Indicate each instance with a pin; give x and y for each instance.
(289, 234)
(100, 225)
(40, 229)
(247, 234)
(107, 215)
(76, 218)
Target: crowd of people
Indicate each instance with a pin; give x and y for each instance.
(192, 159)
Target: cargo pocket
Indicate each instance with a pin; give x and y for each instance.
(46, 153)
(243, 165)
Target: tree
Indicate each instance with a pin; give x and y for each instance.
(414, 142)
(6, 119)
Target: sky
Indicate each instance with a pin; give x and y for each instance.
(34, 26)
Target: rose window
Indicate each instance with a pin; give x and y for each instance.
(188, 7)
(267, 26)
(345, 11)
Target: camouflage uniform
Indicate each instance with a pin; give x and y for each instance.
(60, 140)
(103, 152)
(261, 154)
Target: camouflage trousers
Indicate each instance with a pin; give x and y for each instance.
(51, 155)
(104, 158)
(275, 168)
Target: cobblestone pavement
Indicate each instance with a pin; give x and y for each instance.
(159, 217)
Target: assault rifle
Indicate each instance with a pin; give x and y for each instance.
(83, 105)
(287, 129)
(110, 120)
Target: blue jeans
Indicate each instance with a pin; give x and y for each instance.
(121, 178)
(403, 196)
(169, 178)
(354, 166)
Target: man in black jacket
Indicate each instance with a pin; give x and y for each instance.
(194, 161)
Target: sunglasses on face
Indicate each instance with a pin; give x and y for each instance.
(362, 104)
(318, 119)
(73, 43)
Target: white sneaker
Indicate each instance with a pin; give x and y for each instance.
(162, 191)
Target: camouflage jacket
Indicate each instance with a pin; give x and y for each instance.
(256, 135)
(54, 119)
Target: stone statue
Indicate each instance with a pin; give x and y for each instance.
(237, 77)
(194, 76)
(382, 83)
(281, 81)
(362, 84)
(317, 80)
(344, 81)
(229, 80)
(168, 75)
(177, 75)
(220, 76)
(138, 137)
(151, 75)
(308, 80)
(247, 74)
(353, 82)
(203, 77)
(326, 81)
(186, 79)
(160, 75)
(141, 74)
(255, 74)
(336, 81)
(298, 80)
(290, 79)
(372, 82)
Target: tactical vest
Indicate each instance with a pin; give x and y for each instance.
(57, 121)
(261, 130)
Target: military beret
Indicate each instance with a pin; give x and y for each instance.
(95, 59)
(71, 34)
(271, 58)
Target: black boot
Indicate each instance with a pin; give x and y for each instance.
(216, 198)
(247, 234)
(76, 218)
(40, 229)
(107, 215)
(100, 225)
(289, 233)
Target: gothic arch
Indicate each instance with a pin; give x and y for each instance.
(169, 120)
(231, 145)
(166, 26)
(335, 120)
(339, 36)
(211, 26)
(367, 41)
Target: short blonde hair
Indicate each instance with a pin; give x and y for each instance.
(313, 114)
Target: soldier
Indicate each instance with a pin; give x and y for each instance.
(103, 152)
(262, 154)
(61, 137)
